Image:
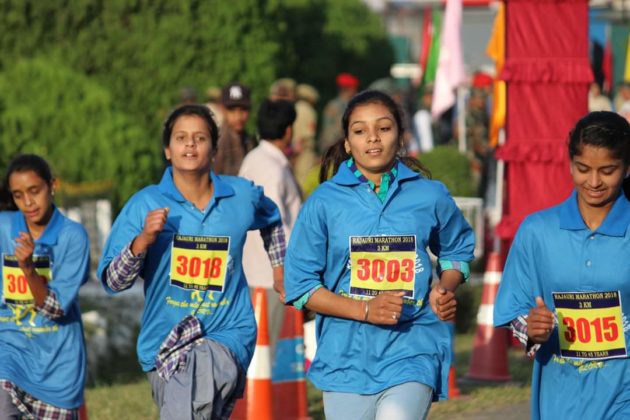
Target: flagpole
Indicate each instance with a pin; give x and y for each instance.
(461, 118)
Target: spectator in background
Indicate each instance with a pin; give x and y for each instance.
(596, 100)
(187, 96)
(213, 102)
(332, 131)
(423, 127)
(268, 166)
(304, 131)
(234, 142)
(622, 96)
(283, 89)
(477, 124)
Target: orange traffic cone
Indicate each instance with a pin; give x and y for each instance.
(453, 390)
(256, 403)
(289, 385)
(83, 412)
(489, 357)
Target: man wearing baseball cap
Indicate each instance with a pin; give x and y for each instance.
(234, 142)
(348, 85)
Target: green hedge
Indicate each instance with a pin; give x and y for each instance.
(130, 58)
(49, 109)
(452, 168)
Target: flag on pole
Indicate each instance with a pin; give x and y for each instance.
(496, 51)
(434, 48)
(450, 72)
(427, 35)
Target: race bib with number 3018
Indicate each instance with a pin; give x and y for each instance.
(590, 325)
(381, 263)
(15, 288)
(199, 262)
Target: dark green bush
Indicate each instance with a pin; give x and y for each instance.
(49, 109)
(452, 168)
(468, 299)
(132, 57)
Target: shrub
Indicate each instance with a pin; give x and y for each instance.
(452, 168)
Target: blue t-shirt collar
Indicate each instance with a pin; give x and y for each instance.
(345, 176)
(167, 186)
(50, 234)
(615, 224)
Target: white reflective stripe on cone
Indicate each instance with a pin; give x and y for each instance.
(492, 277)
(260, 367)
(485, 315)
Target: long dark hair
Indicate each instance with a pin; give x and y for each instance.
(603, 129)
(336, 153)
(23, 163)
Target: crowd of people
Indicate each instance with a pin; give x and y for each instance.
(228, 215)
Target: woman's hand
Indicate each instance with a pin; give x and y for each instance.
(540, 322)
(278, 282)
(385, 308)
(24, 249)
(443, 302)
(153, 224)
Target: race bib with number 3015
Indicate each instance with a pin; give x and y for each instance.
(15, 288)
(382, 263)
(199, 262)
(590, 325)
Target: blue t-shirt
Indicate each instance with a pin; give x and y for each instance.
(345, 225)
(555, 252)
(44, 357)
(178, 286)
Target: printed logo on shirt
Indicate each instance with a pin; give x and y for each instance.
(382, 263)
(590, 325)
(199, 262)
(15, 288)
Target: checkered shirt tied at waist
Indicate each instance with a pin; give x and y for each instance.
(174, 349)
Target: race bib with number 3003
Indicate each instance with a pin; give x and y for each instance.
(590, 325)
(382, 263)
(199, 262)
(15, 288)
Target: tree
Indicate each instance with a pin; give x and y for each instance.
(137, 54)
(48, 109)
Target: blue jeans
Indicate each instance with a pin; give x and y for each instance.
(408, 401)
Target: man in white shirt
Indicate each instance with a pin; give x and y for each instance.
(268, 166)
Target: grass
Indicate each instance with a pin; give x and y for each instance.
(478, 397)
(133, 400)
(118, 402)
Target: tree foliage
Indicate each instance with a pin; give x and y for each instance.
(48, 109)
(452, 168)
(132, 57)
(326, 37)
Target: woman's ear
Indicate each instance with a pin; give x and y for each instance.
(346, 146)
(54, 184)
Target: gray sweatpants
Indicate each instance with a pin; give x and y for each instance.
(205, 389)
(8, 411)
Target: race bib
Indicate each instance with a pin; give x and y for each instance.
(15, 288)
(199, 262)
(381, 263)
(590, 325)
